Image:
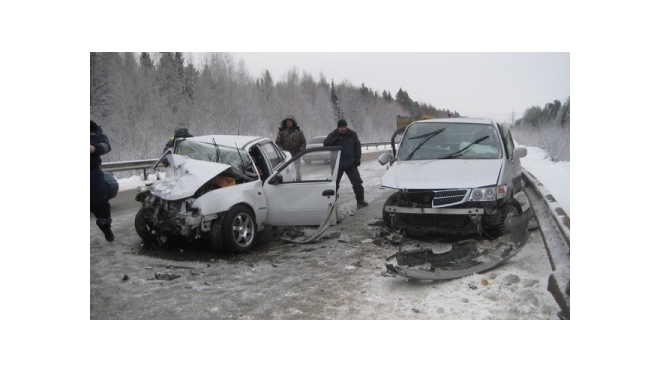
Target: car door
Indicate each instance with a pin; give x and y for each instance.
(304, 202)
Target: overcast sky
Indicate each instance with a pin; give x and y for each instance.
(493, 85)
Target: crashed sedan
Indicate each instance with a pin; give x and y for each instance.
(228, 188)
(455, 177)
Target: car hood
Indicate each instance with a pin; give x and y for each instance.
(442, 174)
(184, 177)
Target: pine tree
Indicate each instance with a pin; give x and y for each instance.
(335, 101)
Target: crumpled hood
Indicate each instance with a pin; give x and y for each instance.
(184, 177)
(442, 174)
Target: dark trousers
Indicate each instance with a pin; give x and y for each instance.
(354, 176)
(98, 197)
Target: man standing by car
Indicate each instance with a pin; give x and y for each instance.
(180, 132)
(351, 154)
(291, 138)
(99, 144)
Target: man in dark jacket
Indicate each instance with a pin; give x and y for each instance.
(351, 154)
(99, 144)
(291, 138)
(180, 132)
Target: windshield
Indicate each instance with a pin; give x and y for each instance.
(432, 141)
(213, 153)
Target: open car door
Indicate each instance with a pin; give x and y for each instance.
(304, 202)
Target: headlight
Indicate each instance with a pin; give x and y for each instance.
(488, 193)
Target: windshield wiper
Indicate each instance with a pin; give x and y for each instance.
(217, 151)
(426, 137)
(460, 152)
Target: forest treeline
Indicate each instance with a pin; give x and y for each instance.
(548, 128)
(140, 98)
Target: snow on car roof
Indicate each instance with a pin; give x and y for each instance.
(242, 141)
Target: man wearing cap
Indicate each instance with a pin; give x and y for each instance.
(351, 153)
(99, 204)
(178, 133)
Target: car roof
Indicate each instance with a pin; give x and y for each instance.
(241, 141)
(461, 120)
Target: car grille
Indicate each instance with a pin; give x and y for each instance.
(449, 197)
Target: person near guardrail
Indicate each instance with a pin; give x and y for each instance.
(351, 155)
(180, 132)
(99, 204)
(291, 138)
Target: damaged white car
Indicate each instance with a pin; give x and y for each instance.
(453, 176)
(228, 188)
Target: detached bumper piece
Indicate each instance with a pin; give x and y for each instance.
(465, 257)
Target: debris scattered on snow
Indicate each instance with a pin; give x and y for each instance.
(166, 276)
(511, 279)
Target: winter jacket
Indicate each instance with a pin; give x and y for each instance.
(291, 139)
(351, 148)
(101, 145)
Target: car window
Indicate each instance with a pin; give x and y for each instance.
(429, 141)
(213, 153)
(508, 144)
(320, 172)
(316, 140)
(273, 155)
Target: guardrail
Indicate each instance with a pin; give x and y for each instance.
(148, 164)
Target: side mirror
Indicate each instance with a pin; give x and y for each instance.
(519, 152)
(276, 179)
(384, 159)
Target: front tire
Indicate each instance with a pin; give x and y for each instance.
(509, 208)
(142, 227)
(239, 229)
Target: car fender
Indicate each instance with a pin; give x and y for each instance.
(222, 199)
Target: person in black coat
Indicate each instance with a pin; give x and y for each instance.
(99, 204)
(351, 154)
(180, 132)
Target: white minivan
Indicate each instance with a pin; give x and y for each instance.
(455, 176)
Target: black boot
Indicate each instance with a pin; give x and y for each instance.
(104, 225)
(360, 200)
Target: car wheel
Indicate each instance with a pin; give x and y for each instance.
(239, 229)
(308, 162)
(510, 208)
(387, 220)
(142, 227)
